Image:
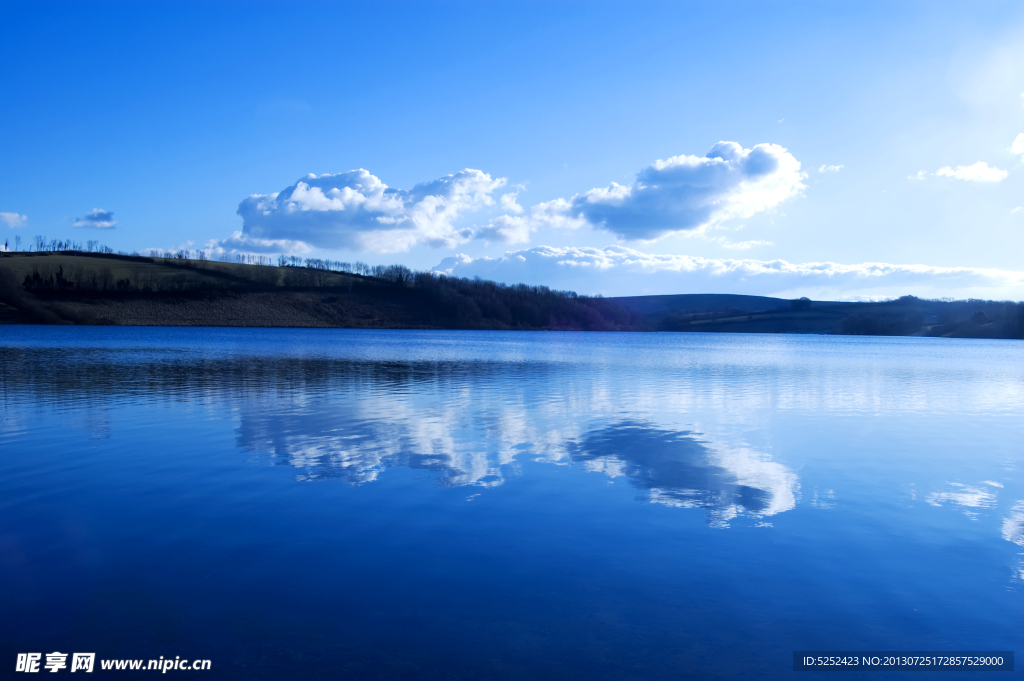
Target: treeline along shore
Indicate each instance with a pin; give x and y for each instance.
(82, 287)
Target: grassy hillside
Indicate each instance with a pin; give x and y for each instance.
(71, 287)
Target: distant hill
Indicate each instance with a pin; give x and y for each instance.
(658, 306)
(907, 316)
(74, 287)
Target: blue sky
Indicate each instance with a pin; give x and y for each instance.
(571, 144)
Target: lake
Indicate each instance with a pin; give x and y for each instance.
(488, 505)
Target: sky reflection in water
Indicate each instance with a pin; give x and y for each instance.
(494, 505)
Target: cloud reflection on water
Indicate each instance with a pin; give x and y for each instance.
(469, 442)
(329, 443)
(471, 422)
(966, 497)
(1013, 531)
(1013, 525)
(683, 470)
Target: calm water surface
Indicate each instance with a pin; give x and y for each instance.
(485, 505)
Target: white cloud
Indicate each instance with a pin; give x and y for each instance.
(919, 175)
(239, 242)
(620, 271)
(356, 210)
(976, 172)
(1018, 145)
(831, 169)
(509, 203)
(1017, 209)
(13, 219)
(555, 213)
(741, 245)
(682, 193)
(507, 229)
(97, 218)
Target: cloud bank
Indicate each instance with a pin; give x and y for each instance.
(97, 218)
(682, 193)
(620, 271)
(356, 210)
(13, 219)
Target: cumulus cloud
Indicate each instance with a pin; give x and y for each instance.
(919, 175)
(976, 172)
(831, 169)
(356, 210)
(557, 213)
(618, 270)
(96, 218)
(1018, 145)
(683, 193)
(507, 229)
(509, 202)
(13, 219)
